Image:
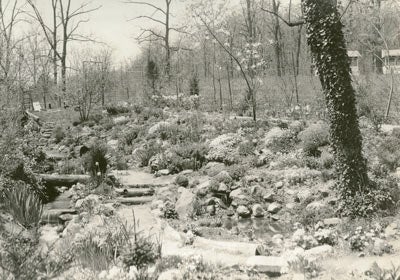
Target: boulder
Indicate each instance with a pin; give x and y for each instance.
(279, 185)
(214, 168)
(269, 197)
(272, 266)
(182, 180)
(258, 210)
(211, 210)
(184, 203)
(315, 205)
(243, 211)
(319, 252)
(222, 187)
(224, 177)
(120, 119)
(274, 207)
(163, 172)
(391, 230)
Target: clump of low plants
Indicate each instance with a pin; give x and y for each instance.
(96, 161)
(24, 205)
(388, 152)
(314, 137)
(309, 269)
(378, 273)
(58, 134)
(142, 251)
(115, 109)
(194, 84)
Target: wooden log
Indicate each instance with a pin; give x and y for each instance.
(53, 216)
(137, 192)
(66, 180)
(32, 116)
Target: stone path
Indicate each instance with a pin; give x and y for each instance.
(136, 185)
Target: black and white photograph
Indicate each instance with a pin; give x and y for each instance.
(199, 139)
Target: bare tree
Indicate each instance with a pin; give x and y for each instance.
(69, 19)
(150, 35)
(10, 16)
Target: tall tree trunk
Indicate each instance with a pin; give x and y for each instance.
(326, 40)
(278, 39)
(377, 41)
(213, 78)
(55, 41)
(166, 38)
(228, 72)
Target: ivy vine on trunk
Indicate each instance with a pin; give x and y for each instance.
(326, 40)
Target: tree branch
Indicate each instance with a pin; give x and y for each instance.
(148, 17)
(147, 4)
(288, 23)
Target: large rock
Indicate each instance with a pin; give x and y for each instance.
(182, 180)
(213, 168)
(257, 210)
(273, 266)
(185, 203)
(318, 252)
(243, 211)
(274, 207)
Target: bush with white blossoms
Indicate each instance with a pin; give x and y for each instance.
(182, 101)
(224, 148)
(303, 240)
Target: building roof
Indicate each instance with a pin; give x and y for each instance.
(386, 53)
(353, 54)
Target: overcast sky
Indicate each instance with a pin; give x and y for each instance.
(110, 24)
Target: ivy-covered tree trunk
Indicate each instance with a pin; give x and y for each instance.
(326, 40)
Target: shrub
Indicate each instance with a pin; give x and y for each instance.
(25, 207)
(131, 135)
(142, 251)
(121, 163)
(224, 148)
(194, 84)
(237, 172)
(169, 211)
(314, 137)
(310, 269)
(115, 109)
(280, 140)
(58, 134)
(378, 273)
(101, 244)
(388, 152)
(150, 149)
(21, 258)
(246, 148)
(96, 161)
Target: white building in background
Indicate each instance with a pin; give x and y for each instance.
(391, 60)
(354, 57)
(354, 61)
